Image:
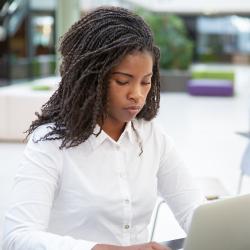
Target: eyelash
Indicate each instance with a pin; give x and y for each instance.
(123, 83)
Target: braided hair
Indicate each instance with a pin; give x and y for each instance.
(90, 49)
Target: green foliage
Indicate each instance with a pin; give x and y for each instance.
(171, 36)
(228, 75)
(41, 87)
(209, 57)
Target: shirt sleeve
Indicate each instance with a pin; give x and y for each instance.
(176, 185)
(35, 187)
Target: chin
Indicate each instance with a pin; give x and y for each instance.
(129, 119)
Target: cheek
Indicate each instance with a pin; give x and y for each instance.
(147, 90)
(117, 92)
(115, 95)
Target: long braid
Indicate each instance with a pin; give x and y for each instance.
(90, 49)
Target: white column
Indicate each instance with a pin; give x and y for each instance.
(67, 13)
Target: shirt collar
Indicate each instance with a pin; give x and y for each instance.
(97, 138)
(129, 132)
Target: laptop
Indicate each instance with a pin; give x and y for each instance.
(218, 225)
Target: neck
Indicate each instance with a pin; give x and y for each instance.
(113, 129)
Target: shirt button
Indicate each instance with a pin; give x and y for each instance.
(126, 226)
(127, 201)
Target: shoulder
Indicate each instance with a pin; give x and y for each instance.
(37, 138)
(41, 131)
(41, 153)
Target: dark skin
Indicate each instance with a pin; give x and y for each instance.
(129, 85)
(146, 246)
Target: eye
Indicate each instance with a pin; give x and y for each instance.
(121, 82)
(146, 83)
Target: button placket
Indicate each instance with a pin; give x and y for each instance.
(125, 196)
(127, 214)
(122, 175)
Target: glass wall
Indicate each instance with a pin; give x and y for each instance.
(27, 42)
(224, 38)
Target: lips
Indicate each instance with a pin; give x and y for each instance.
(133, 110)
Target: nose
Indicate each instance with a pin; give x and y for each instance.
(135, 93)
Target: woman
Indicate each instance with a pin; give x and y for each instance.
(95, 160)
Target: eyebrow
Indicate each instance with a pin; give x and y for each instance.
(129, 75)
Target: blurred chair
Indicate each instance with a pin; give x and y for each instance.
(158, 206)
(245, 167)
(211, 83)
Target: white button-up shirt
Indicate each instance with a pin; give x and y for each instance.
(101, 191)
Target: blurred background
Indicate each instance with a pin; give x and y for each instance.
(205, 84)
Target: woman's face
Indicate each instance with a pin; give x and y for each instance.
(129, 85)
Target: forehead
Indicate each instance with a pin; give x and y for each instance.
(136, 61)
